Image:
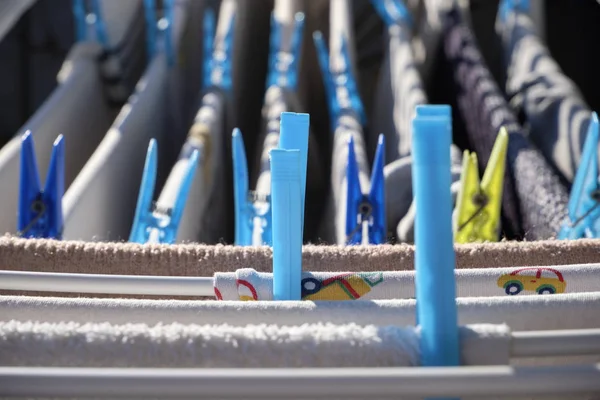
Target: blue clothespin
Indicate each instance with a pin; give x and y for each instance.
(40, 211)
(366, 208)
(584, 203)
(509, 5)
(152, 225)
(159, 33)
(434, 252)
(218, 53)
(294, 130)
(89, 24)
(392, 12)
(286, 192)
(245, 210)
(284, 63)
(340, 85)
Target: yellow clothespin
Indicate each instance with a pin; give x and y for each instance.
(478, 205)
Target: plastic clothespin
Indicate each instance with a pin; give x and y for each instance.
(368, 208)
(508, 5)
(479, 203)
(584, 203)
(286, 192)
(340, 85)
(40, 211)
(284, 63)
(392, 12)
(245, 211)
(152, 225)
(294, 131)
(89, 24)
(434, 251)
(218, 53)
(159, 33)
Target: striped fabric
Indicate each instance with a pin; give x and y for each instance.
(534, 200)
(557, 116)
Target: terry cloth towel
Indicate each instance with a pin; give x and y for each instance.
(533, 193)
(399, 91)
(557, 116)
(43, 255)
(521, 313)
(72, 344)
(249, 285)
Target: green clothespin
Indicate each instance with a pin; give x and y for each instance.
(479, 203)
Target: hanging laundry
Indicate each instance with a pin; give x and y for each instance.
(534, 200)
(557, 116)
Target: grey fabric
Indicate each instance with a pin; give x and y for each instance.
(10, 12)
(557, 117)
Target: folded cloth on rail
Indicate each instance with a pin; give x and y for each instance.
(249, 285)
(521, 313)
(42, 255)
(72, 344)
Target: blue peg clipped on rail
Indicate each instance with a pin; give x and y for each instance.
(152, 224)
(89, 22)
(39, 213)
(159, 32)
(284, 58)
(392, 12)
(506, 6)
(218, 49)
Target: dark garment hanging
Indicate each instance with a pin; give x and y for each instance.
(534, 200)
(557, 117)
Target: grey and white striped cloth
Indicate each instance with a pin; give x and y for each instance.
(557, 117)
(534, 200)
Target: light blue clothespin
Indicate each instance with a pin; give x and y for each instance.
(284, 63)
(392, 12)
(152, 225)
(294, 129)
(40, 211)
(584, 203)
(286, 194)
(159, 33)
(218, 54)
(89, 24)
(341, 88)
(434, 252)
(509, 5)
(366, 208)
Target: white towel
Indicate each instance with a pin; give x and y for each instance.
(71, 344)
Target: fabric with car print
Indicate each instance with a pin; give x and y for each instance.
(249, 285)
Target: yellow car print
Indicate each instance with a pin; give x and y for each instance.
(532, 280)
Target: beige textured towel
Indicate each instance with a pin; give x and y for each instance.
(201, 260)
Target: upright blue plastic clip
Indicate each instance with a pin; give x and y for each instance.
(392, 12)
(435, 284)
(151, 224)
(246, 211)
(159, 33)
(294, 130)
(584, 203)
(366, 208)
(40, 211)
(284, 60)
(508, 5)
(218, 53)
(340, 85)
(89, 24)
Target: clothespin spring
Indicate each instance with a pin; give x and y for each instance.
(40, 209)
(481, 201)
(365, 212)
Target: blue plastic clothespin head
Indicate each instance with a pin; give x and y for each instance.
(159, 33)
(392, 12)
(246, 213)
(584, 203)
(507, 6)
(368, 208)
(218, 53)
(153, 225)
(340, 85)
(89, 22)
(40, 211)
(284, 58)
